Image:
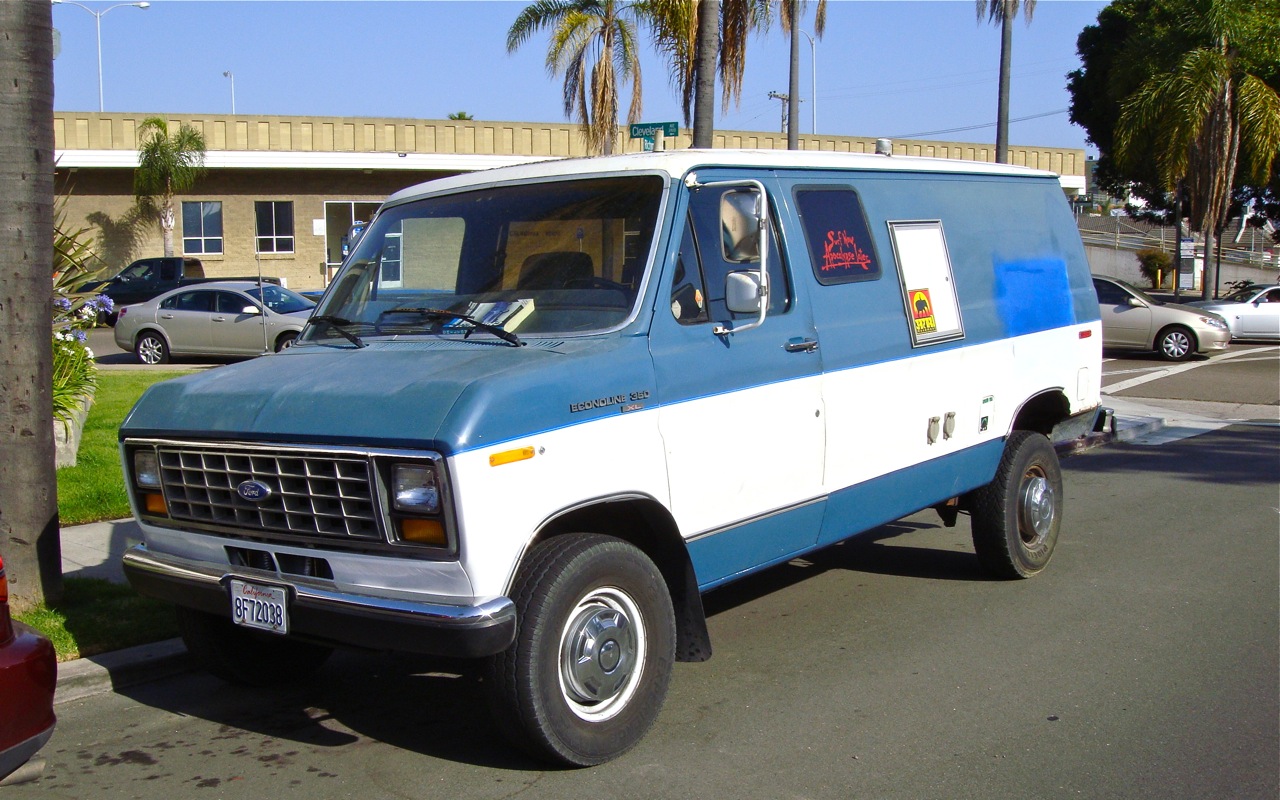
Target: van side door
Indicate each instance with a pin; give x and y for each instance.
(741, 414)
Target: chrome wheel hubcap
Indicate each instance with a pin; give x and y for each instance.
(602, 651)
(149, 350)
(1036, 509)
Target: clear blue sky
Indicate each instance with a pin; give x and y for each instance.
(889, 68)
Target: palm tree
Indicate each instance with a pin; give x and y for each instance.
(1209, 116)
(1004, 12)
(791, 11)
(593, 42)
(167, 165)
(29, 522)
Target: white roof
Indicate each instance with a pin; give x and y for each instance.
(678, 163)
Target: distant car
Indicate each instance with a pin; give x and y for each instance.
(224, 318)
(1252, 312)
(28, 677)
(1134, 320)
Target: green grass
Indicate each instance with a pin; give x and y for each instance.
(96, 616)
(93, 489)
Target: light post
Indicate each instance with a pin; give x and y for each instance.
(97, 18)
(813, 57)
(229, 74)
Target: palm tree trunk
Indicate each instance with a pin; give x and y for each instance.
(1002, 110)
(28, 486)
(708, 50)
(793, 85)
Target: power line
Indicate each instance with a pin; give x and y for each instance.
(977, 127)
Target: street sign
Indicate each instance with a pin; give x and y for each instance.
(1188, 248)
(648, 130)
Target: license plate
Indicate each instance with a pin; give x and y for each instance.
(254, 605)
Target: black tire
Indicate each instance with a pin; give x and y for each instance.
(151, 348)
(1016, 517)
(245, 657)
(1176, 343)
(588, 671)
(285, 339)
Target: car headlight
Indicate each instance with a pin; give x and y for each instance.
(1214, 322)
(146, 469)
(415, 488)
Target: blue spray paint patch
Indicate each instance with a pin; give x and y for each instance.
(1033, 295)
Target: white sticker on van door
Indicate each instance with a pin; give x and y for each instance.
(924, 267)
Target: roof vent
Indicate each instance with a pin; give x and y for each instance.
(884, 147)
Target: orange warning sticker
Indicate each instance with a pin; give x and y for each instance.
(922, 311)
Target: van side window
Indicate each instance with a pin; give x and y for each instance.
(700, 246)
(688, 290)
(835, 227)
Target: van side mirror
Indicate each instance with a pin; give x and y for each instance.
(742, 292)
(741, 225)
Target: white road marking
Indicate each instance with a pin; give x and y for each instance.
(1165, 372)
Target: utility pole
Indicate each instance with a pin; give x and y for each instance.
(786, 100)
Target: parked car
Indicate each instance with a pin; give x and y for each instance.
(224, 318)
(1251, 312)
(148, 277)
(1134, 320)
(28, 677)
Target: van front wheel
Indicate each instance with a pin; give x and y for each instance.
(1017, 516)
(588, 671)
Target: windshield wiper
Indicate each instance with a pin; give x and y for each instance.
(502, 333)
(338, 324)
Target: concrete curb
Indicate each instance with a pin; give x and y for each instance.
(1122, 429)
(86, 677)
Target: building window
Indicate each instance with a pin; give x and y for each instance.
(202, 227)
(275, 226)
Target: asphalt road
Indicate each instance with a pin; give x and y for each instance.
(1142, 664)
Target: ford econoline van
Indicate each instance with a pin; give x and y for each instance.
(542, 409)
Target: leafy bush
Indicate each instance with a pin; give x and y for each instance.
(1154, 264)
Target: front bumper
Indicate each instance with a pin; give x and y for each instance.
(323, 614)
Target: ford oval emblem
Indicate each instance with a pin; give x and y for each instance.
(254, 491)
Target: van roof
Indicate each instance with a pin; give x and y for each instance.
(678, 163)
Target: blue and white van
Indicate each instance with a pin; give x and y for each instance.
(542, 409)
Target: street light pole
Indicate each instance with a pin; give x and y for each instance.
(97, 18)
(229, 74)
(813, 57)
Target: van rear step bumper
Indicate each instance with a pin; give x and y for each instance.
(320, 614)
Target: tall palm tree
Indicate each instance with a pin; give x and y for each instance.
(28, 495)
(791, 11)
(167, 165)
(1209, 116)
(593, 42)
(1004, 12)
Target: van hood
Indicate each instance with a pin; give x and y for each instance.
(444, 396)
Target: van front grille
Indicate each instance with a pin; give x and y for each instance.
(306, 493)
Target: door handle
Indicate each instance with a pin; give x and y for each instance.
(801, 345)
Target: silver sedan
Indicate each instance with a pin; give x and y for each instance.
(221, 318)
(1134, 320)
(1252, 312)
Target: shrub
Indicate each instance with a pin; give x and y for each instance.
(1154, 263)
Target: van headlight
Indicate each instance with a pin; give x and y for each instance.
(146, 469)
(415, 488)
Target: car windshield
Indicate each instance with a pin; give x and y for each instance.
(549, 258)
(1240, 295)
(279, 299)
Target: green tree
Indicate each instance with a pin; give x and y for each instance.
(460, 115)
(167, 165)
(1004, 12)
(28, 489)
(1210, 117)
(593, 43)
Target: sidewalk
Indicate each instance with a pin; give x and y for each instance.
(94, 551)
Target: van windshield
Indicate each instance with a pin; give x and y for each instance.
(542, 258)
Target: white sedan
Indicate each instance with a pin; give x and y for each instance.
(220, 318)
(1252, 312)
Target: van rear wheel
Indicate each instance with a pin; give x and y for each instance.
(588, 671)
(1016, 517)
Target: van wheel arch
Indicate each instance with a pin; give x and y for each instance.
(1042, 412)
(643, 522)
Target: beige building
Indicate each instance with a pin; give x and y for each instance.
(282, 192)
